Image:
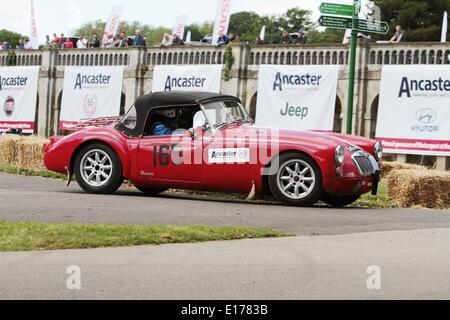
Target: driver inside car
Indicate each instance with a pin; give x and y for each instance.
(165, 124)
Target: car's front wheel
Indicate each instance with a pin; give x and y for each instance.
(339, 201)
(296, 180)
(98, 169)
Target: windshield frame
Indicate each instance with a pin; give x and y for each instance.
(217, 127)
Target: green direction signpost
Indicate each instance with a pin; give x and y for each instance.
(337, 9)
(346, 17)
(336, 22)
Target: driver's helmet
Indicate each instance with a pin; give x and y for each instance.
(170, 113)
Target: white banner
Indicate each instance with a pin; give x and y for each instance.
(178, 28)
(444, 28)
(112, 25)
(34, 36)
(187, 78)
(414, 110)
(297, 97)
(262, 34)
(222, 20)
(89, 93)
(18, 95)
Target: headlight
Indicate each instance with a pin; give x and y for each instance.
(378, 150)
(339, 156)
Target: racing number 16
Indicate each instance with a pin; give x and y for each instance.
(162, 155)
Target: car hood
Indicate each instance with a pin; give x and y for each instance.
(319, 139)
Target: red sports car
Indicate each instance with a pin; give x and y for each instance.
(205, 141)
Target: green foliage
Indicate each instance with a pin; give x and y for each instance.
(38, 236)
(12, 37)
(229, 61)
(421, 19)
(327, 36)
(199, 31)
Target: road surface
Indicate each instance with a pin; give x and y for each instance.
(45, 200)
(408, 265)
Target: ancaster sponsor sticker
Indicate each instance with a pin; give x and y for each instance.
(239, 155)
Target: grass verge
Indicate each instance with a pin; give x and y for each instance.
(379, 201)
(18, 236)
(6, 168)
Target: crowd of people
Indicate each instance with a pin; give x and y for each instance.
(138, 40)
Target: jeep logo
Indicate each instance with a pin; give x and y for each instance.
(426, 116)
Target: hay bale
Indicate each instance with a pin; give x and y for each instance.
(30, 153)
(388, 167)
(24, 152)
(420, 188)
(8, 149)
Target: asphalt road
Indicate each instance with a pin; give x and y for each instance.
(46, 200)
(408, 265)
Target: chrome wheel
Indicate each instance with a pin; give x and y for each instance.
(96, 168)
(296, 179)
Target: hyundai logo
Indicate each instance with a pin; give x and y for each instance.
(426, 116)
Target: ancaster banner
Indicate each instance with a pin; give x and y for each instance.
(414, 110)
(187, 78)
(18, 95)
(297, 97)
(89, 93)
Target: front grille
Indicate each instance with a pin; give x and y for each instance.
(364, 164)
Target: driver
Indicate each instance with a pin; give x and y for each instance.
(165, 124)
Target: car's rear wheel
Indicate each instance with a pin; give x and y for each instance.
(98, 169)
(150, 191)
(339, 201)
(297, 181)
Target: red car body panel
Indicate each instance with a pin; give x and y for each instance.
(136, 156)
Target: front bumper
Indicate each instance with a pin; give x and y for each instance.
(360, 174)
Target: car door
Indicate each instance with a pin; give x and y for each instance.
(169, 158)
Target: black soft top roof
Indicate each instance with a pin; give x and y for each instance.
(148, 102)
(175, 98)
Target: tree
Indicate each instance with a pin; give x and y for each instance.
(327, 36)
(246, 24)
(11, 37)
(422, 19)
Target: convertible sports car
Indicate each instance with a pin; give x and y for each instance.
(205, 141)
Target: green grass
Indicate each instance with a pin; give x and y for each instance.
(6, 168)
(380, 201)
(17, 236)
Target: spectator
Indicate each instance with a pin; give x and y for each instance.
(259, 40)
(234, 38)
(82, 43)
(67, 44)
(286, 38)
(177, 41)
(122, 41)
(21, 44)
(95, 42)
(167, 40)
(138, 40)
(110, 42)
(27, 44)
(302, 38)
(56, 42)
(223, 39)
(47, 41)
(399, 35)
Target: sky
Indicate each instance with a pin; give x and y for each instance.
(63, 16)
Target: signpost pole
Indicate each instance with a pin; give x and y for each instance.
(352, 71)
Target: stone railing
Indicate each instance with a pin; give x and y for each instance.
(409, 53)
(377, 54)
(299, 54)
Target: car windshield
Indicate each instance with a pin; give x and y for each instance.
(130, 119)
(221, 113)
